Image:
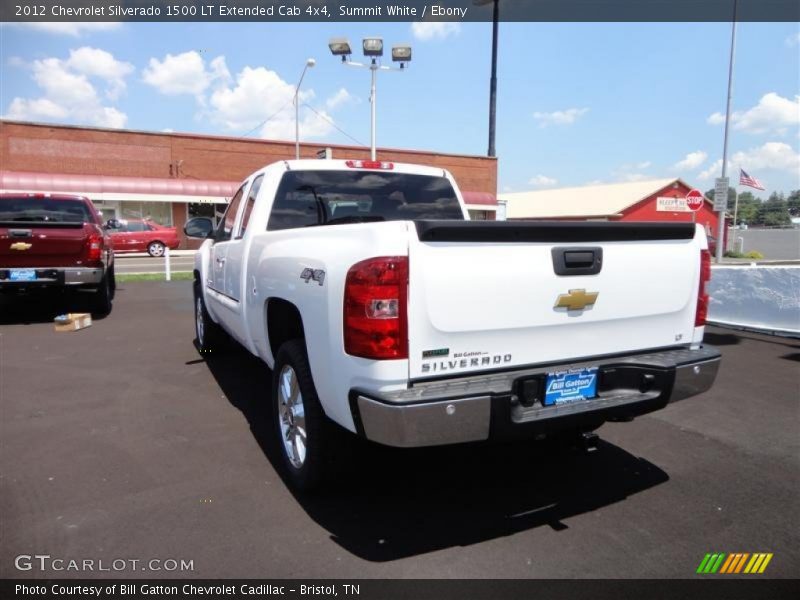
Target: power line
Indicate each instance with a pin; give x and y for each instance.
(269, 118)
(342, 131)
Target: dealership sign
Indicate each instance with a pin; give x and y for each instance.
(667, 204)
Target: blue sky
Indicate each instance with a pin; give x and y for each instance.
(577, 103)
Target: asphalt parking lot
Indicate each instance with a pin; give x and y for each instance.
(122, 441)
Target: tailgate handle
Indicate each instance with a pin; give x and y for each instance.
(20, 233)
(577, 261)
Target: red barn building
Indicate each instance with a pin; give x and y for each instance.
(654, 200)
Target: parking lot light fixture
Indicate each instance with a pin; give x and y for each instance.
(402, 54)
(340, 47)
(373, 49)
(309, 63)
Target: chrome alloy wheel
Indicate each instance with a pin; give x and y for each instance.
(199, 323)
(291, 413)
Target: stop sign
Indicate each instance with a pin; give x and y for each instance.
(694, 200)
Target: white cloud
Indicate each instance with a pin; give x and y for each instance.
(101, 64)
(793, 40)
(261, 95)
(542, 181)
(184, 73)
(340, 98)
(773, 113)
(634, 177)
(434, 30)
(691, 161)
(713, 171)
(72, 29)
(631, 171)
(560, 117)
(68, 93)
(772, 156)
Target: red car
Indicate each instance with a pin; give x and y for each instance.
(141, 235)
(54, 242)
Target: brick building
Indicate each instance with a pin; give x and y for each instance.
(169, 177)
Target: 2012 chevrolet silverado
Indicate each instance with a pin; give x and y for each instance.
(383, 310)
(55, 242)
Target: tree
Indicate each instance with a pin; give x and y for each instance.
(793, 203)
(748, 208)
(775, 211)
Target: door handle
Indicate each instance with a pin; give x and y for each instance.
(220, 261)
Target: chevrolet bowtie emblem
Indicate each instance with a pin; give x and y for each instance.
(21, 246)
(576, 299)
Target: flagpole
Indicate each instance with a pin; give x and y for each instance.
(721, 224)
(732, 246)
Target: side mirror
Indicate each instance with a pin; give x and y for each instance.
(112, 224)
(199, 227)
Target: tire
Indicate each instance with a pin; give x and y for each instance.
(156, 249)
(112, 282)
(210, 336)
(101, 299)
(309, 442)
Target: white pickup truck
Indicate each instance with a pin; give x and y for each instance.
(381, 308)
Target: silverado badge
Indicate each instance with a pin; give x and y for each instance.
(21, 246)
(576, 299)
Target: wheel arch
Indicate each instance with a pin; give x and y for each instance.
(283, 323)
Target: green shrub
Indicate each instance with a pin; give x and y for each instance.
(754, 254)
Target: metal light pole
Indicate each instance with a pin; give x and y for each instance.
(493, 79)
(721, 224)
(309, 63)
(373, 49)
(373, 100)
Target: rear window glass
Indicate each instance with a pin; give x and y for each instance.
(43, 210)
(308, 198)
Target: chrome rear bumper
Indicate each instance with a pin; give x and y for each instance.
(473, 409)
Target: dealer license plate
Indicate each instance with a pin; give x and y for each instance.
(22, 275)
(573, 385)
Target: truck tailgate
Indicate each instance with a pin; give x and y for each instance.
(55, 245)
(485, 296)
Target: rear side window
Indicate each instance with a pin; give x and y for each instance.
(44, 210)
(248, 208)
(225, 229)
(309, 198)
(137, 226)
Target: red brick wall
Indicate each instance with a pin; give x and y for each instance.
(75, 150)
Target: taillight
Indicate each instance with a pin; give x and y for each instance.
(369, 164)
(376, 308)
(94, 246)
(702, 294)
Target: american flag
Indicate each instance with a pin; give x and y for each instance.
(745, 179)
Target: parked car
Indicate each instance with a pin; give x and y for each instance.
(142, 235)
(382, 310)
(53, 241)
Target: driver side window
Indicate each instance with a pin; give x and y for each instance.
(225, 228)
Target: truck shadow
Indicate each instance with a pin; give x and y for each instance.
(394, 503)
(32, 308)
